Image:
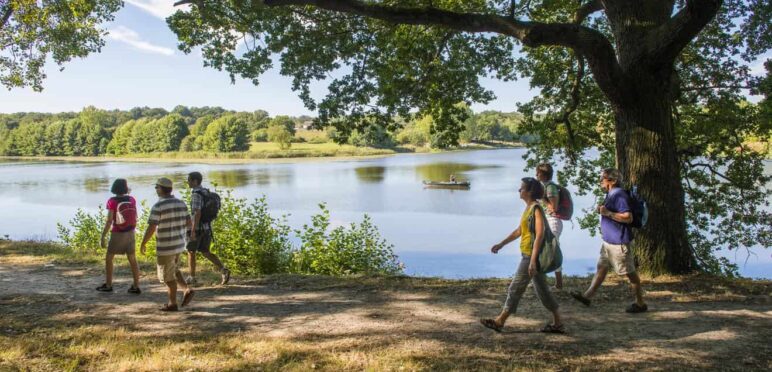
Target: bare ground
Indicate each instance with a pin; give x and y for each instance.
(51, 318)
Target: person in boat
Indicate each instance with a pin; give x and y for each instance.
(453, 178)
(531, 191)
(120, 223)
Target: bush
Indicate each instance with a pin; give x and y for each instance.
(345, 250)
(248, 239)
(85, 232)
(260, 135)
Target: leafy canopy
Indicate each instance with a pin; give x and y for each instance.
(31, 31)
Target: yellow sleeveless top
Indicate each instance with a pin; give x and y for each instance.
(526, 237)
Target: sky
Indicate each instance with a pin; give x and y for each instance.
(141, 66)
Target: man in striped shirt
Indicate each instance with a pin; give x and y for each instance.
(170, 218)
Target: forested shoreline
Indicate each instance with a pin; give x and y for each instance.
(214, 130)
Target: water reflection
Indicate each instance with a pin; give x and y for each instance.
(229, 178)
(373, 174)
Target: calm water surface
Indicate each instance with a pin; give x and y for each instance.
(435, 232)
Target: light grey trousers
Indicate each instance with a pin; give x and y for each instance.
(520, 283)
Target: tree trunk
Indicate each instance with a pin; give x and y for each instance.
(646, 156)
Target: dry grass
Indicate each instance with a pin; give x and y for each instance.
(53, 320)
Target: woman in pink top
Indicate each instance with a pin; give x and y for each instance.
(121, 222)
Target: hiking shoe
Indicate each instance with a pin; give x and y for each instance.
(134, 290)
(226, 276)
(580, 297)
(191, 280)
(104, 288)
(635, 308)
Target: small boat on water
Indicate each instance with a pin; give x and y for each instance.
(448, 185)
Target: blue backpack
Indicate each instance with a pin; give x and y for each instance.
(639, 207)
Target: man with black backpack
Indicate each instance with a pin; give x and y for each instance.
(204, 206)
(617, 220)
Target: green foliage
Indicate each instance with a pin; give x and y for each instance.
(283, 121)
(357, 248)
(248, 239)
(84, 232)
(371, 136)
(260, 135)
(226, 134)
(32, 31)
(280, 135)
(252, 242)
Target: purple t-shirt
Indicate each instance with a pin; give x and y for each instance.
(614, 232)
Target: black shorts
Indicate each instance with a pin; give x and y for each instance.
(202, 243)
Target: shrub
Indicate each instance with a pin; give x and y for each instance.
(85, 232)
(357, 248)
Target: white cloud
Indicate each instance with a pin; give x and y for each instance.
(158, 8)
(128, 36)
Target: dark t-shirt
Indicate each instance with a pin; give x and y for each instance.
(614, 232)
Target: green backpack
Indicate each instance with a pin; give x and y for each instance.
(550, 257)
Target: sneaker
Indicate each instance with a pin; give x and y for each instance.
(580, 297)
(134, 290)
(635, 308)
(226, 276)
(191, 280)
(104, 288)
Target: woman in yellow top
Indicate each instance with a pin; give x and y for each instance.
(531, 191)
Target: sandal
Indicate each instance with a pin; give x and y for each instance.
(134, 290)
(551, 328)
(490, 323)
(168, 307)
(104, 288)
(187, 297)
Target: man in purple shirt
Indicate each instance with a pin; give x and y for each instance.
(616, 217)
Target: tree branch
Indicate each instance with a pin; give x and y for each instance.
(6, 16)
(591, 44)
(585, 10)
(667, 41)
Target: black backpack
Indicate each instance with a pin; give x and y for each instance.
(639, 207)
(210, 206)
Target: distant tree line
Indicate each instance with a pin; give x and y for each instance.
(94, 132)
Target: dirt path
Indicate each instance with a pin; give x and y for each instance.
(52, 318)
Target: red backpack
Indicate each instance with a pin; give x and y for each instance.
(565, 203)
(125, 218)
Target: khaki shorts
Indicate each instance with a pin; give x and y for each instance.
(121, 243)
(617, 256)
(167, 268)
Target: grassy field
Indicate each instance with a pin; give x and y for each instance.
(52, 319)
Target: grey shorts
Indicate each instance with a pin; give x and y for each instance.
(202, 243)
(617, 256)
(121, 243)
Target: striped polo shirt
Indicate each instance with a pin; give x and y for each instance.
(171, 215)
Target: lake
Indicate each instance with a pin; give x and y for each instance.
(435, 232)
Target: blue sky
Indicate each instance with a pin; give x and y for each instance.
(141, 66)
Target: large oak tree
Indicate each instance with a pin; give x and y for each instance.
(656, 85)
